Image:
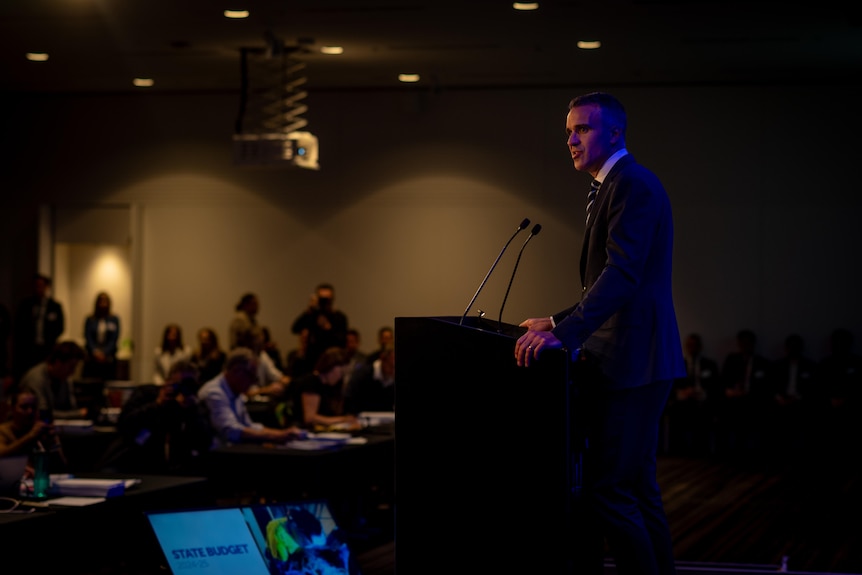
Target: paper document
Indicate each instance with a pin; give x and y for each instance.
(75, 501)
(89, 487)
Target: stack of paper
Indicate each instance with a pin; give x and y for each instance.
(73, 425)
(377, 417)
(89, 487)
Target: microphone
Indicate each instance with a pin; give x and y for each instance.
(536, 229)
(523, 225)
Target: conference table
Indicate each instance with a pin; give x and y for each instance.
(110, 532)
(352, 474)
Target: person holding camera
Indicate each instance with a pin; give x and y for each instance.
(162, 428)
(326, 325)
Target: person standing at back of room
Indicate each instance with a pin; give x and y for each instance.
(244, 327)
(101, 337)
(625, 343)
(6, 379)
(38, 324)
(326, 325)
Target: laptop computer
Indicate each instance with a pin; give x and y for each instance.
(292, 538)
(11, 471)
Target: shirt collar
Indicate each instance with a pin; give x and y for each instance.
(609, 163)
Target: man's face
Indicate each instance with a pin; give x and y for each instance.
(41, 287)
(590, 142)
(352, 342)
(386, 338)
(692, 346)
(325, 297)
(242, 377)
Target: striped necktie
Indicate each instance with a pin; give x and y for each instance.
(591, 197)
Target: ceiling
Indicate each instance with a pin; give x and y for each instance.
(101, 45)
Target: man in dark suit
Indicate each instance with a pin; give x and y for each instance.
(624, 335)
(38, 324)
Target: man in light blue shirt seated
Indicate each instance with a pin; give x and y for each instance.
(225, 397)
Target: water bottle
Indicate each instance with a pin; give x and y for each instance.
(41, 474)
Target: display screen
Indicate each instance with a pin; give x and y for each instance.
(296, 538)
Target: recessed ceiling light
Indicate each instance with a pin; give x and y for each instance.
(525, 5)
(236, 13)
(589, 44)
(37, 56)
(143, 82)
(331, 49)
(408, 77)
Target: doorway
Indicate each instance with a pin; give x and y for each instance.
(92, 249)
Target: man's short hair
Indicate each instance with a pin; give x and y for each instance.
(613, 111)
(239, 357)
(65, 351)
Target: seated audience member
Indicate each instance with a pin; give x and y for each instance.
(225, 397)
(373, 389)
(355, 359)
(745, 378)
(24, 433)
(271, 382)
(840, 377)
(690, 410)
(271, 349)
(298, 360)
(37, 324)
(794, 397)
(163, 428)
(270, 403)
(171, 351)
(318, 397)
(208, 356)
(51, 383)
(385, 338)
(840, 372)
(101, 336)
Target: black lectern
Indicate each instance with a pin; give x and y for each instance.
(482, 454)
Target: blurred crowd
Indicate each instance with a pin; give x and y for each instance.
(199, 396)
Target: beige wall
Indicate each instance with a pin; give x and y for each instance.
(418, 192)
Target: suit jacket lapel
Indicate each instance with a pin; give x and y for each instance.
(603, 190)
(584, 245)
